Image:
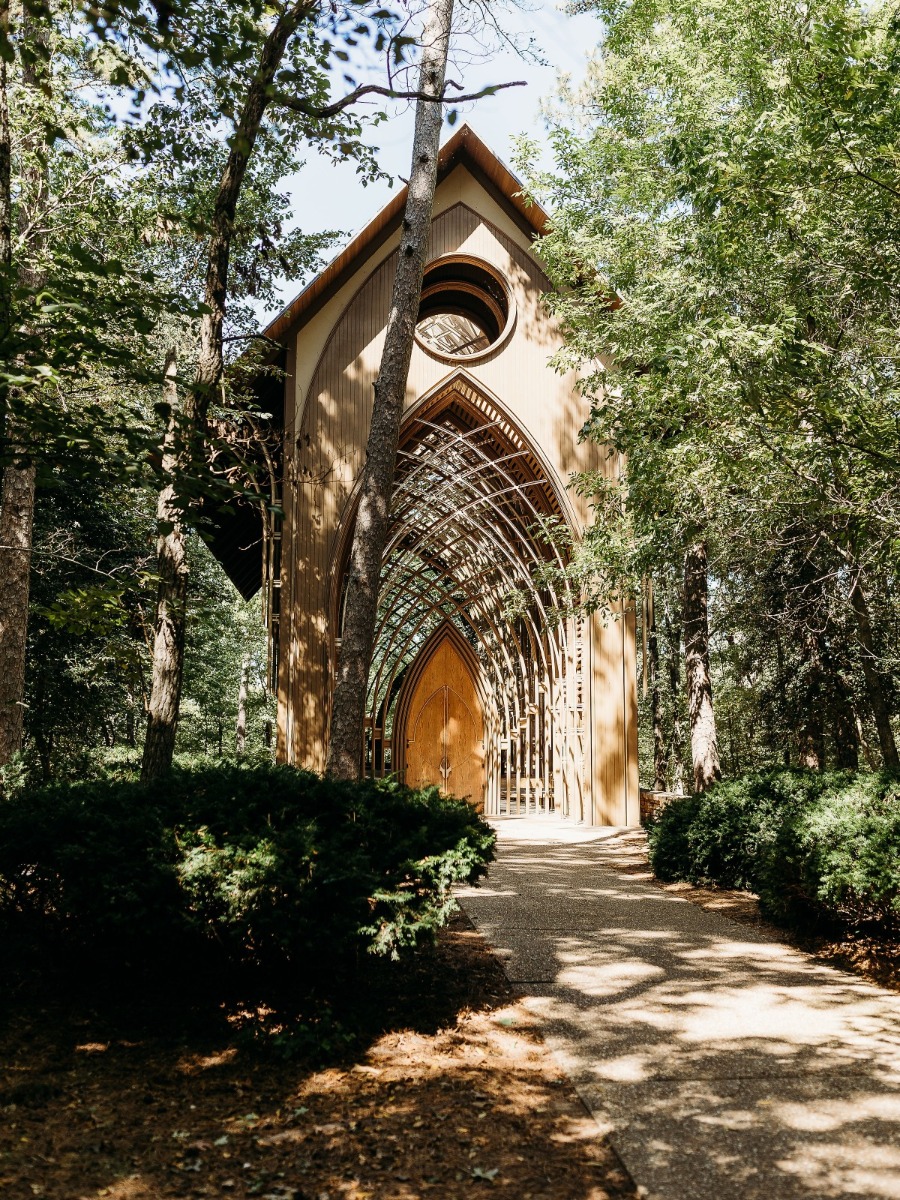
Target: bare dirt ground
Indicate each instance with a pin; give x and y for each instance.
(454, 1096)
(874, 958)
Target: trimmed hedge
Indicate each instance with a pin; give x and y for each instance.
(816, 847)
(262, 865)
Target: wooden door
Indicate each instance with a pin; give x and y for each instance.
(445, 726)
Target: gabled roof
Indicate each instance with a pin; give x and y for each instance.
(236, 537)
(464, 147)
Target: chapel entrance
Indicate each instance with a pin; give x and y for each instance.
(442, 721)
(479, 671)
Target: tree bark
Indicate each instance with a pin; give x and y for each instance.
(18, 489)
(659, 741)
(810, 730)
(704, 747)
(171, 602)
(240, 733)
(345, 748)
(16, 529)
(676, 752)
(872, 671)
(844, 732)
(5, 168)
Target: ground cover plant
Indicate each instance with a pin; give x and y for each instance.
(233, 867)
(817, 847)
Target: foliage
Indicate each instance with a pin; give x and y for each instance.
(93, 593)
(254, 865)
(814, 846)
(726, 250)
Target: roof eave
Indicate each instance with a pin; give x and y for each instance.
(464, 147)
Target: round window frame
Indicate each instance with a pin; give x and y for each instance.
(464, 285)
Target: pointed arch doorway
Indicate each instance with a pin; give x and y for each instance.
(440, 720)
(472, 497)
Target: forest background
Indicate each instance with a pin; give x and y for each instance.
(732, 177)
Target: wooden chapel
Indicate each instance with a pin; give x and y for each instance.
(482, 681)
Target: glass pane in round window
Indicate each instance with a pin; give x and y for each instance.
(452, 333)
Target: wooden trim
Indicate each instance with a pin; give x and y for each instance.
(501, 237)
(430, 405)
(464, 147)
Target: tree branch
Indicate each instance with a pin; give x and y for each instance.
(302, 105)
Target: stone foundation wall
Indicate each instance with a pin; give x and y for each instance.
(652, 803)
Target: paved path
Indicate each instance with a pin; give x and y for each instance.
(724, 1066)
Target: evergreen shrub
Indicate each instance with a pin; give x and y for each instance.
(817, 847)
(256, 865)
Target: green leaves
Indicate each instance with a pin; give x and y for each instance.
(729, 184)
(95, 610)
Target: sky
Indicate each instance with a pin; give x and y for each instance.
(330, 197)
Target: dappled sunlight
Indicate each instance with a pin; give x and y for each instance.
(725, 1063)
(449, 1093)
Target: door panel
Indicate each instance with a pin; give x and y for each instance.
(424, 766)
(463, 748)
(445, 727)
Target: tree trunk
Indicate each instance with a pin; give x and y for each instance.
(171, 603)
(810, 729)
(782, 692)
(5, 169)
(874, 683)
(240, 734)
(16, 527)
(345, 748)
(210, 359)
(871, 761)
(184, 439)
(659, 742)
(844, 733)
(704, 748)
(18, 490)
(676, 752)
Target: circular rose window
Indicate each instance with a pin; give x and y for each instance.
(466, 309)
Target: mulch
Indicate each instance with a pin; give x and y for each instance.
(450, 1094)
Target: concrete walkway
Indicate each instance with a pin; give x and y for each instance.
(723, 1066)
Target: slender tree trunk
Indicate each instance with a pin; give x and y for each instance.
(171, 602)
(18, 489)
(844, 733)
(5, 171)
(240, 733)
(345, 747)
(185, 439)
(810, 729)
(704, 747)
(868, 752)
(659, 741)
(16, 529)
(676, 751)
(782, 692)
(874, 683)
(210, 359)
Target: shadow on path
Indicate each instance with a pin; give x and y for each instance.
(725, 1065)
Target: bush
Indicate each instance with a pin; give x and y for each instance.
(816, 847)
(267, 866)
